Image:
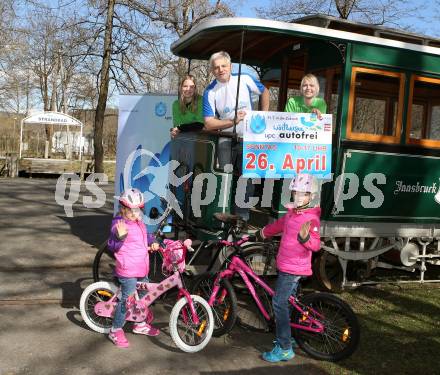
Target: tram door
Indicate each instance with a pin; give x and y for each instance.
(325, 61)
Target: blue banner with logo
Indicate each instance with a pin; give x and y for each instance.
(282, 144)
(143, 149)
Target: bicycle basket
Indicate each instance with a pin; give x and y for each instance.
(174, 255)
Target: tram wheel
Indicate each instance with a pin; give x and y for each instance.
(328, 272)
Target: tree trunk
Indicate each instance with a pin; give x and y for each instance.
(103, 91)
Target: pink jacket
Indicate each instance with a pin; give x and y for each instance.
(131, 253)
(295, 257)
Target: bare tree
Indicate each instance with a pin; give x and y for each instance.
(376, 12)
(79, 53)
(103, 88)
(178, 17)
(138, 29)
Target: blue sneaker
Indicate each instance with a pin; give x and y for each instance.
(278, 354)
(292, 342)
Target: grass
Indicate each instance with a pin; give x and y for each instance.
(400, 331)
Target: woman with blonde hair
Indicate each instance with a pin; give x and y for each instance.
(308, 102)
(187, 110)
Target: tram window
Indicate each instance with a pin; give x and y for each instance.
(424, 112)
(293, 92)
(376, 99)
(417, 115)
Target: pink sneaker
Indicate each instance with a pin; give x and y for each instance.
(145, 329)
(118, 338)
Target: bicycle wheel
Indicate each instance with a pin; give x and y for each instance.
(97, 292)
(341, 334)
(261, 258)
(224, 309)
(249, 315)
(188, 336)
(103, 264)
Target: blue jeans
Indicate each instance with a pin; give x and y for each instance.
(128, 287)
(286, 285)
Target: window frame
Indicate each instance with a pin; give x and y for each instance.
(352, 135)
(432, 143)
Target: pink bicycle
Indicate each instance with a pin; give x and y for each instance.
(191, 320)
(324, 326)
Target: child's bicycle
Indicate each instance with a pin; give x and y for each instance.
(323, 325)
(191, 320)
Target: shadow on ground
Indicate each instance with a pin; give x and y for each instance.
(92, 229)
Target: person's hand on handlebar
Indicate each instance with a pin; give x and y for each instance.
(154, 246)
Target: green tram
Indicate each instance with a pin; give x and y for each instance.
(382, 87)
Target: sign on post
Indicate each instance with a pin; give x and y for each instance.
(281, 144)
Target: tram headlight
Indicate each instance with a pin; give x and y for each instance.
(437, 197)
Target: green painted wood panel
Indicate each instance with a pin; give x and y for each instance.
(412, 182)
(396, 58)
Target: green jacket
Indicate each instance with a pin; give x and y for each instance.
(188, 117)
(296, 104)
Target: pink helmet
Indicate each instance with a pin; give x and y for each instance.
(304, 183)
(132, 198)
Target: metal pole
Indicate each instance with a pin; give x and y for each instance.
(21, 137)
(189, 66)
(238, 84)
(234, 130)
(80, 143)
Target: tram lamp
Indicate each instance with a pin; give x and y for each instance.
(296, 47)
(437, 197)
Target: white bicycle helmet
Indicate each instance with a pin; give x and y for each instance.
(304, 183)
(132, 198)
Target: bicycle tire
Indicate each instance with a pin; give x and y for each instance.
(184, 332)
(97, 292)
(224, 311)
(341, 334)
(261, 259)
(103, 264)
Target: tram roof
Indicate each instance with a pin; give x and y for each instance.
(265, 38)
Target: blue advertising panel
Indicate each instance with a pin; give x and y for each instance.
(281, 144)
(143, 147)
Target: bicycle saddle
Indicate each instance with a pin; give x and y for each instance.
(228, 218)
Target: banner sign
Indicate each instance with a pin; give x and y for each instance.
(143, 147)
(282, 144)
(55, 118)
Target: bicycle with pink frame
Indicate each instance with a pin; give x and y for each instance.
(324, 326)
(191, 321)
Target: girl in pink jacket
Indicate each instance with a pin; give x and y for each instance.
(129, 242)
(300, 237)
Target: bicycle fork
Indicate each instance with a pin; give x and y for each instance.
(195, 318)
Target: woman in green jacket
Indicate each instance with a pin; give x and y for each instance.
(187, 110)
(308, 102)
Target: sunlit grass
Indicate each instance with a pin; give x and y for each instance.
(400, 331)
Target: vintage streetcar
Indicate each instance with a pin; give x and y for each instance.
(382, 87)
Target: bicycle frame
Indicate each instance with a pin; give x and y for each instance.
(237, 266)
(155, 290)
